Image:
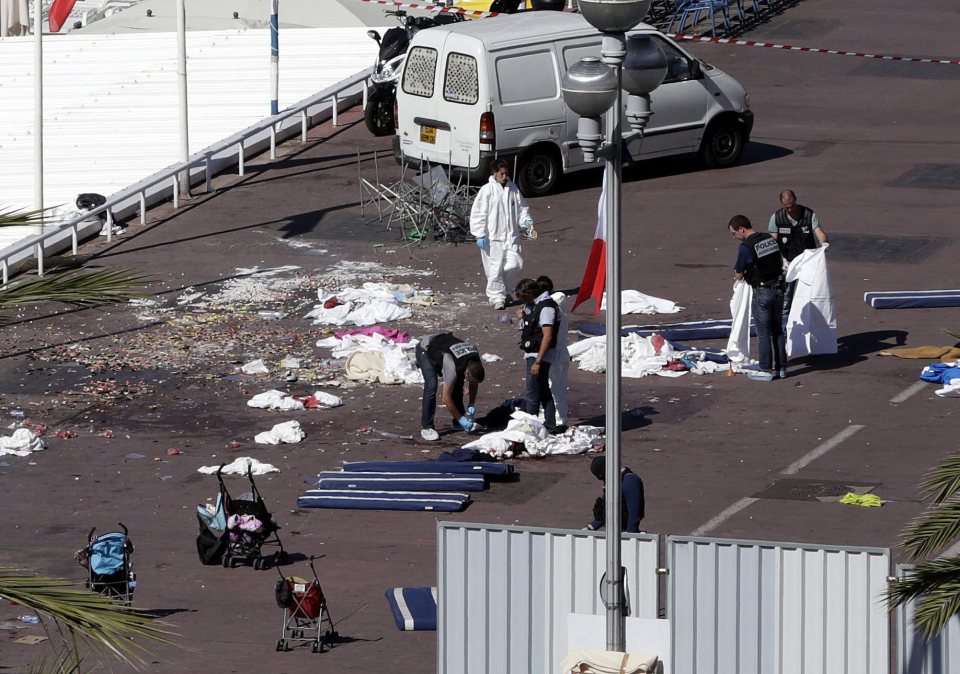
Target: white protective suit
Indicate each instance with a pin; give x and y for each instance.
(812, 322)
(560, 368)
(496, 215)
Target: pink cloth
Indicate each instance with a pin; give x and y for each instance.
(389, 333)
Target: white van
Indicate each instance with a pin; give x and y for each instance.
(489, 88)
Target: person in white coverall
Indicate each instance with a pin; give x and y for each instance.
(498, 213)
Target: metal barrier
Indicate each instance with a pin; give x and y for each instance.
(774, 608)
(200, 168)
(916, 655)
(504, 593)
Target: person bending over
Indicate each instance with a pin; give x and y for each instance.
(458, 363)
(631, 498)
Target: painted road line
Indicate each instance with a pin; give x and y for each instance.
(906, 393)
(714, 522)
(822, 449)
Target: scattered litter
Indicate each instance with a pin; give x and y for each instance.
(107, 434)
(22, 442)
(17, 414)
(239, 466)
(134, 455)
(279, 400)
(174, 451)
(506, 320)
(636, 302)
(255, 367)
(290, 363)
(286, 432)
(30, 639)
(490, 358)
(389, 434)
(271, 315)
(164, 478)
(29, 619)
(864, 500)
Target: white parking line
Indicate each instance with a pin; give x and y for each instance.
(724, 516)
(915, 387)
(822, 449)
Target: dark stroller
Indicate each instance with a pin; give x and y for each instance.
(305, 614)
(107, 560)
(236, 530)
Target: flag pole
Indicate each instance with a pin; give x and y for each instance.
(38, 125)
(184, 178)
(274, 57)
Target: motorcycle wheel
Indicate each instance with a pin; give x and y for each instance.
(379, 113)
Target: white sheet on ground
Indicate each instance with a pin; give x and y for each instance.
(636, 302)
(23, 441)
(374, 358)
(254, 367)
(239, 467)
(275, 400)
(527, 430)
(812, 322)
(639, 356)
(287, 432)
(738, 344)
(373, 303)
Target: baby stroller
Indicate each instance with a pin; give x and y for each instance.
(107, 560)
(305, 614)
(235, 530)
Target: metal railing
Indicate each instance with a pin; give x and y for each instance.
(201, 167)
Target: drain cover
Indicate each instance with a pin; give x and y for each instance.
(828, 491)
(891, 249)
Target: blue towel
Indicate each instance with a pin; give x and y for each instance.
(474, 467)
(413, 608)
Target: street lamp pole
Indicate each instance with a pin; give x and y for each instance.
(592, 88)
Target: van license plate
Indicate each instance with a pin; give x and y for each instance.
(428, 134)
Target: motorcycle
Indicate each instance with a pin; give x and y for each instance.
(379, 116)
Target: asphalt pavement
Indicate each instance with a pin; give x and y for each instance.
(869, 144)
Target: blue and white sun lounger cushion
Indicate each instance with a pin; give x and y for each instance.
(473, 467)
(400, 481)
(913, 299)
(712, 329)
(413, 608)
(355, 499)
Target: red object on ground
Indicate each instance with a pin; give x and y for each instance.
(331, 303)
(174, 451)
(59, 11)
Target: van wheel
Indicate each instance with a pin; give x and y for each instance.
(723, 144)
(379, 113)
(539, 171)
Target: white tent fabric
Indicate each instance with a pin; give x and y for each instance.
(812, 322)
(738, 344)
(14, 18)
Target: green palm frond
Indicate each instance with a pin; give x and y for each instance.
(63, 662)
(77, 286)
(108, 627)
(14, 217)
(932, 531)
(943, 481)
(935, 585)
(955, 335)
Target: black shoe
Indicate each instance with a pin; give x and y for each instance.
(557, 430)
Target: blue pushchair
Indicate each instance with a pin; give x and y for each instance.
(107, 560)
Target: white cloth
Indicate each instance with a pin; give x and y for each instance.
(373, 303)
(239, 467)
(23, 441)
(275, 400)
(327, 400)
(738, 344)
(254, 367)
(526, 433)
(608, 662)
(636, 302)
(496, 215)
(560, 368)
(287, 432)
(490, 358)
(639, 356)
(812, 322)
(14, 18)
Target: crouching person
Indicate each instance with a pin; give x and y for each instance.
(458, 363)
(631, 498)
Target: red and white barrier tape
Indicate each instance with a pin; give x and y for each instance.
(816, 50)
(440, 9)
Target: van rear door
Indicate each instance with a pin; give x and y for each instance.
(440, 100)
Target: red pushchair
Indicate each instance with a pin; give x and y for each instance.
(305, 614)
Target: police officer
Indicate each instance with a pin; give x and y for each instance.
(760, 264)
(539, 325)
(458, 362)
(797, 229)
(631, 498)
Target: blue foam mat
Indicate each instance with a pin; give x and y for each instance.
(712, 329)
(460, 467)
(913, 299)
(355, 499)
(413, 608)
(400, 481)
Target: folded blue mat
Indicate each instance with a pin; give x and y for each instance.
(473, 467)
(913, 299)
(400, 481)
(355, 499)
(413, 608)
(713, 329)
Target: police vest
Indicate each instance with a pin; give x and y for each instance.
(531, 333)
(766, 267)
(795, 238)
(459, 350)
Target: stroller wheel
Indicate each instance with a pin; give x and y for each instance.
(227, 561)
(316, 648)
(281, 645)
(258, 563)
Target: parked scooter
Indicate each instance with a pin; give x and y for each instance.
(379, 115)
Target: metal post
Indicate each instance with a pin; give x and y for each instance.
(274, 58)
(182, 90)
(143, 207)
(38, 108)
(109, 225)
(335, 105)
(207, 172)
(240, 157)
(273, 141)
(613, 54)
(303, 126)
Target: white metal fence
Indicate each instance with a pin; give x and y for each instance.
(504, 593)
(916, 655)
(200, 168)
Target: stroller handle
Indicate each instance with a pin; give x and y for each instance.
(124, 527)
(90, 535)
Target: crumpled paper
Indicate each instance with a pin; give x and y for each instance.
(287, 432)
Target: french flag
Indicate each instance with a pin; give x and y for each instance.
(59, 11)
(595, 275)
